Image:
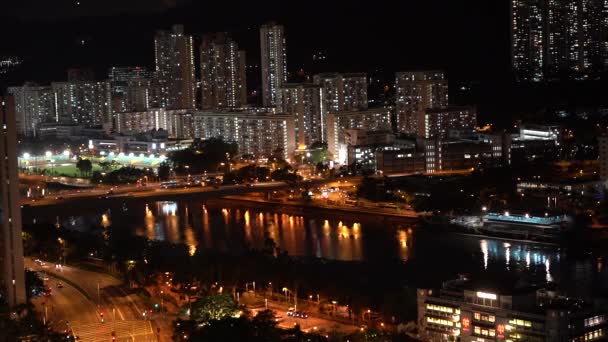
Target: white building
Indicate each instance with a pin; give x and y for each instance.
(306, 103)
(343, 92)
(415, 92)
(274, 62)
(178, 122)
(33, 105)
(261, 134)
(337, 123)
(86, 103)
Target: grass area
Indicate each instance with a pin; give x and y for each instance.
(71, 170)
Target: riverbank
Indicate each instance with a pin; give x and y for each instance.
(299, 207)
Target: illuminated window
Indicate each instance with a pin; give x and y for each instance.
(477, 316)
(477, 330)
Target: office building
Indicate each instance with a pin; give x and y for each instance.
(85, 103)
(338, 122)
(415, 92)
(305, 102)
(177, 122)
(449, 155)
(274, 62)
(223, 79)
(467, 310)
(438, 122)
(33, 105)
(343, 92)
(257, 133)
(557, 38)
(12, 271)
(174, 59)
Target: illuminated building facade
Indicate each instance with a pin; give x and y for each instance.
(12, 271)
(175, 72)
(274, 62)
(177, 122)
(468, 311)
(306, 103)
(33, 106)
(556, 38)
(223, 79)
(85, 103)
(257, 133)
(338, 122)
(438, 122)
(343, 92)
(130, 87)
(415, 92)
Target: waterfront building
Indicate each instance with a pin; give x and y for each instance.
(338, 122)
(175, 71)
(12, 271)
(467, 310)
(33, 105)
(223, 78)
(343, 92)
(274, 62)
(306, 104)
(257, 133)
(415, 93)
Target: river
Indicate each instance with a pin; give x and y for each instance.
(355, 238)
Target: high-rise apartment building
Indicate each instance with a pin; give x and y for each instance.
(274, 62)
(415, 92)
(439, 121)
(558, 38)
(375, 119)
(131, 88)
(223, 79)
(33, 105)
(84, 103)
(177, 122)
(527, 39)
(12, 272)
(343, 91)
(174, 57)
(257, 133)
(306, 103)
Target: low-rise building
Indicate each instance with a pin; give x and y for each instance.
(471, 311)
(378, 119)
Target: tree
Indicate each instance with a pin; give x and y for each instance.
(164, 171)
(84, 166)
(214, 307)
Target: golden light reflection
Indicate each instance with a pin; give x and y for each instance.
(105, 221)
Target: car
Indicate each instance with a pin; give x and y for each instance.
(300, 314)
(291, 312)
(59, 285)
(59, 197)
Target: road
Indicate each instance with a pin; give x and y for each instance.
(98, 293)
(156, 191)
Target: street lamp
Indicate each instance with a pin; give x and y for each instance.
(48, 154)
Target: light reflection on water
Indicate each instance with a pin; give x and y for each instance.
(233, 230)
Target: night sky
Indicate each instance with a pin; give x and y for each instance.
(467, 38)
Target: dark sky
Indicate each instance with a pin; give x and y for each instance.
(468, 38)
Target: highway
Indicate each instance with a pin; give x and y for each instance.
(154, 191)
(82, 308)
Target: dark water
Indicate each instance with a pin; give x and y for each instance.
(234, 229)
